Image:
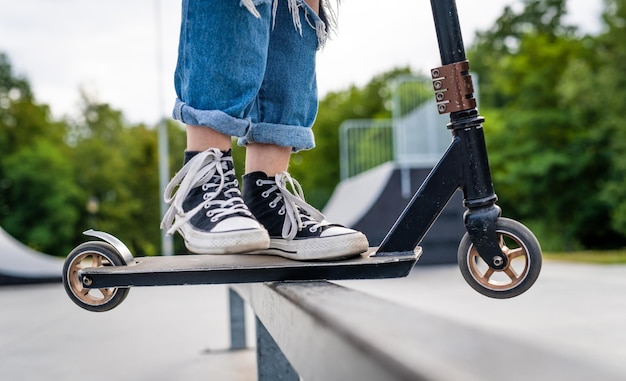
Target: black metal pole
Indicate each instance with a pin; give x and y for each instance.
(482, 214)
(448, 29)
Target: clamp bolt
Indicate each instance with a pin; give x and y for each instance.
(87, 281)
(498, 260)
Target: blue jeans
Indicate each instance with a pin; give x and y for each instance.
(253, 78)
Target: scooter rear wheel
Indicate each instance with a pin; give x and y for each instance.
(521, 248)
(87, 255)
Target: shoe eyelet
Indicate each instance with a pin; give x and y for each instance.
(265, 194)
(281, 212)
(259, 183)
(205, 187)
(313, 230)
(205, 196)
(272, 204)
(214, 219)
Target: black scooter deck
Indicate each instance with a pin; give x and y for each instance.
(245, 268)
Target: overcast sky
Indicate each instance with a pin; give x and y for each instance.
(111, 48)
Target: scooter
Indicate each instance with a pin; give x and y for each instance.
(497, 256)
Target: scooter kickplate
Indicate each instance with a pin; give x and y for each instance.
(245, 268)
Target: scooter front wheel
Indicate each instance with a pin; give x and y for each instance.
(523, 252)
(87, 255)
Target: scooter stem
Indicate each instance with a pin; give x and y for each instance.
(465, 122)
(446, 17)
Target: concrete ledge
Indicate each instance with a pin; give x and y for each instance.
(329, 332)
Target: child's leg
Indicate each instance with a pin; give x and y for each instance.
(283, 114)
(220, 68)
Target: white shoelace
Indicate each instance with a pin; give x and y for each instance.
(199, 171)
(293, 202)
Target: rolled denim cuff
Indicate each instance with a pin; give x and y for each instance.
(297, 137)
(215, 119)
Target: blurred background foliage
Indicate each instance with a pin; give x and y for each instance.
(552, 98)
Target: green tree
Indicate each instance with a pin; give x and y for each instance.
(548, 164)
(116, 167)
(609, 85)
(36, 187)
(41, 193)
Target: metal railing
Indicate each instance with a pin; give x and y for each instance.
(365, 144)
(415, 136)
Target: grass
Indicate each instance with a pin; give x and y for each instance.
(595, 257)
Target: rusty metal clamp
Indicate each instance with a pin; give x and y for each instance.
(454, 90)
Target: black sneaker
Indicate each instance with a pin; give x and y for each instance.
(206, 207)
(297, 230)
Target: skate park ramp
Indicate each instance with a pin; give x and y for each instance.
(384, 161)
(373, 200)
(20, 264)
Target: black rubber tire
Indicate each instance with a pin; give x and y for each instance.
(111, 298)
(509, 232)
